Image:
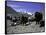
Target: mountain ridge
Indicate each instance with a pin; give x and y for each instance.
(10, 10)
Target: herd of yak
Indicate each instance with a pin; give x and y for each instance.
(23, 20)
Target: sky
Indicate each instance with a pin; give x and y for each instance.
(10, 0)
(29, 7)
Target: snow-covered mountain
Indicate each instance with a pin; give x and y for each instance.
(23, 11)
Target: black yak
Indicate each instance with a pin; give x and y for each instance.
(42, 23)
(38, 17)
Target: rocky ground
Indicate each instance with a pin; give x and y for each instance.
(33, 27)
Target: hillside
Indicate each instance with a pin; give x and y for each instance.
(9, 10)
